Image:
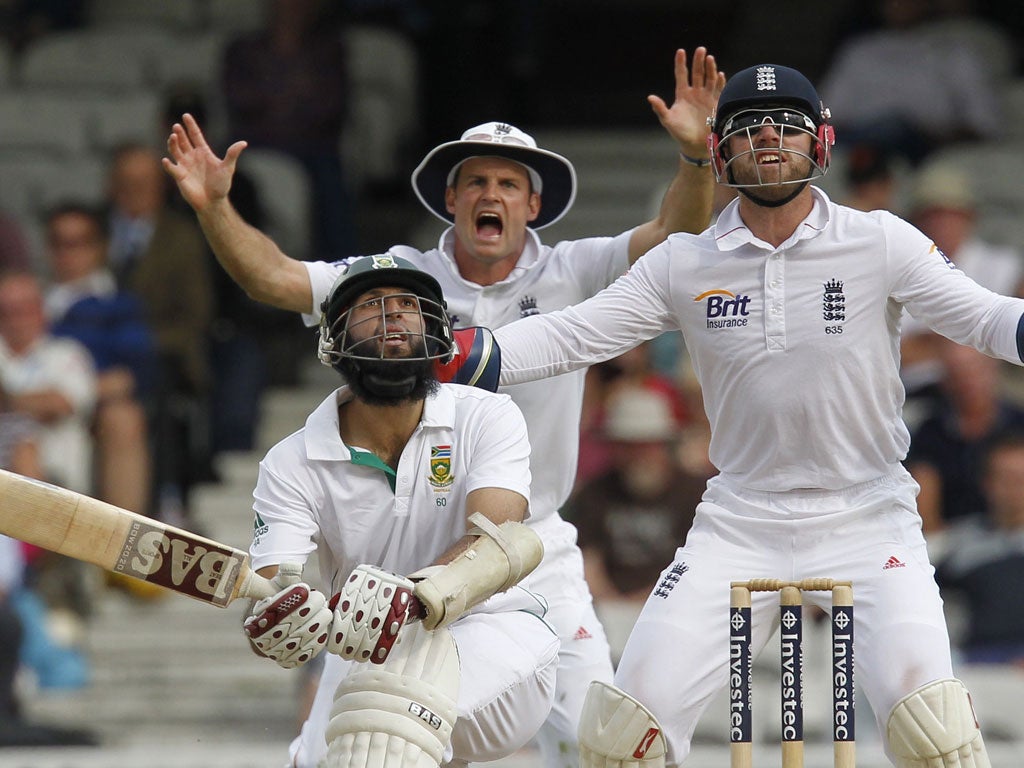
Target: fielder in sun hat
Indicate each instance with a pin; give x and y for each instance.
(551, 175)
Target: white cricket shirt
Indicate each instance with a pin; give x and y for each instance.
(796, 348)
(546, 278)
(316, 493)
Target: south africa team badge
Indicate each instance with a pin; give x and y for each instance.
(441, 466)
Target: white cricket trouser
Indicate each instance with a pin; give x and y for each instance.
(677, 657)
(585, 654)
(507, 662)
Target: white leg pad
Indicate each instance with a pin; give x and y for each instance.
(935, 727)
(398, 714)
(617, 731)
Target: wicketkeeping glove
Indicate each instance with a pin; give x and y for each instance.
(369, 612)
(292, 626)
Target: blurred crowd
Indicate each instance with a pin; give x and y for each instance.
(129, 361)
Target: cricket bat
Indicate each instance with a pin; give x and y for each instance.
(113, 538)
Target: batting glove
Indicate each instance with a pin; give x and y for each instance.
(292, 626)
(369, 612)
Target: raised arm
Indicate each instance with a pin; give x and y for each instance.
(687, 204)
(631, 310)
(252, 259)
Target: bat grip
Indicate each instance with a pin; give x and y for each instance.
(417, 611)
(257, 587)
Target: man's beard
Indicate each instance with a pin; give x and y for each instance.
(389, 382)
(767, 187)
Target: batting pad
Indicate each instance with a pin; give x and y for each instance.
(398, 714)
(617, 731)
(935, 727)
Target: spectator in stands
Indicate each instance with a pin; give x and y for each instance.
(632, 517)
(10, 631)
(160, 256)
(898, 87)
(984, 567)
(944, 206)
(946, 448)
(15, 731)
(285, 87)
(84, 303)
(632, 369)
(14, 251)
(23, 637)
(870, 180)
(53, 381)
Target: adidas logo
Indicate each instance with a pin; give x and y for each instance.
(893, 562)
(582, 634)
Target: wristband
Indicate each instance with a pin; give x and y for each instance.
(699, 162)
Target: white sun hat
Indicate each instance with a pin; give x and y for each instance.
(552, 175)
(640, 415)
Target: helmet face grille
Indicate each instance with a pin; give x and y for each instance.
(393, 325)
(779, 153)
(382, 308)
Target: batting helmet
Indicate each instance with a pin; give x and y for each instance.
(770, 93)
(370, 272)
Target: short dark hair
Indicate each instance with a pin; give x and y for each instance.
(866, 163)
(77, 208)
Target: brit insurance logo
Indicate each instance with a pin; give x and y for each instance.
(724, 309)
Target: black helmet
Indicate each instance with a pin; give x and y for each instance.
(767, 86)
(366, 273)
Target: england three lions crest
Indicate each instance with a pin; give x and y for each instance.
(441, 466)
(833, 306)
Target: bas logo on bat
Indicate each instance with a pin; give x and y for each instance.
(179, 562)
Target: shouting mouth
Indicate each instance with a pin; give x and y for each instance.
(489, 225)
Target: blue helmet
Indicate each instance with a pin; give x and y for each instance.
(767, 86)
(776, 95)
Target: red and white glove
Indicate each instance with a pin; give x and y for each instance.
(476, 360)
(371, 608)
(292, 626)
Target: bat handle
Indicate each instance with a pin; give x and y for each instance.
(257, 587)
(417, 611)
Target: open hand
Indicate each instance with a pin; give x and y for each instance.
(697, 91)
(202, 178)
